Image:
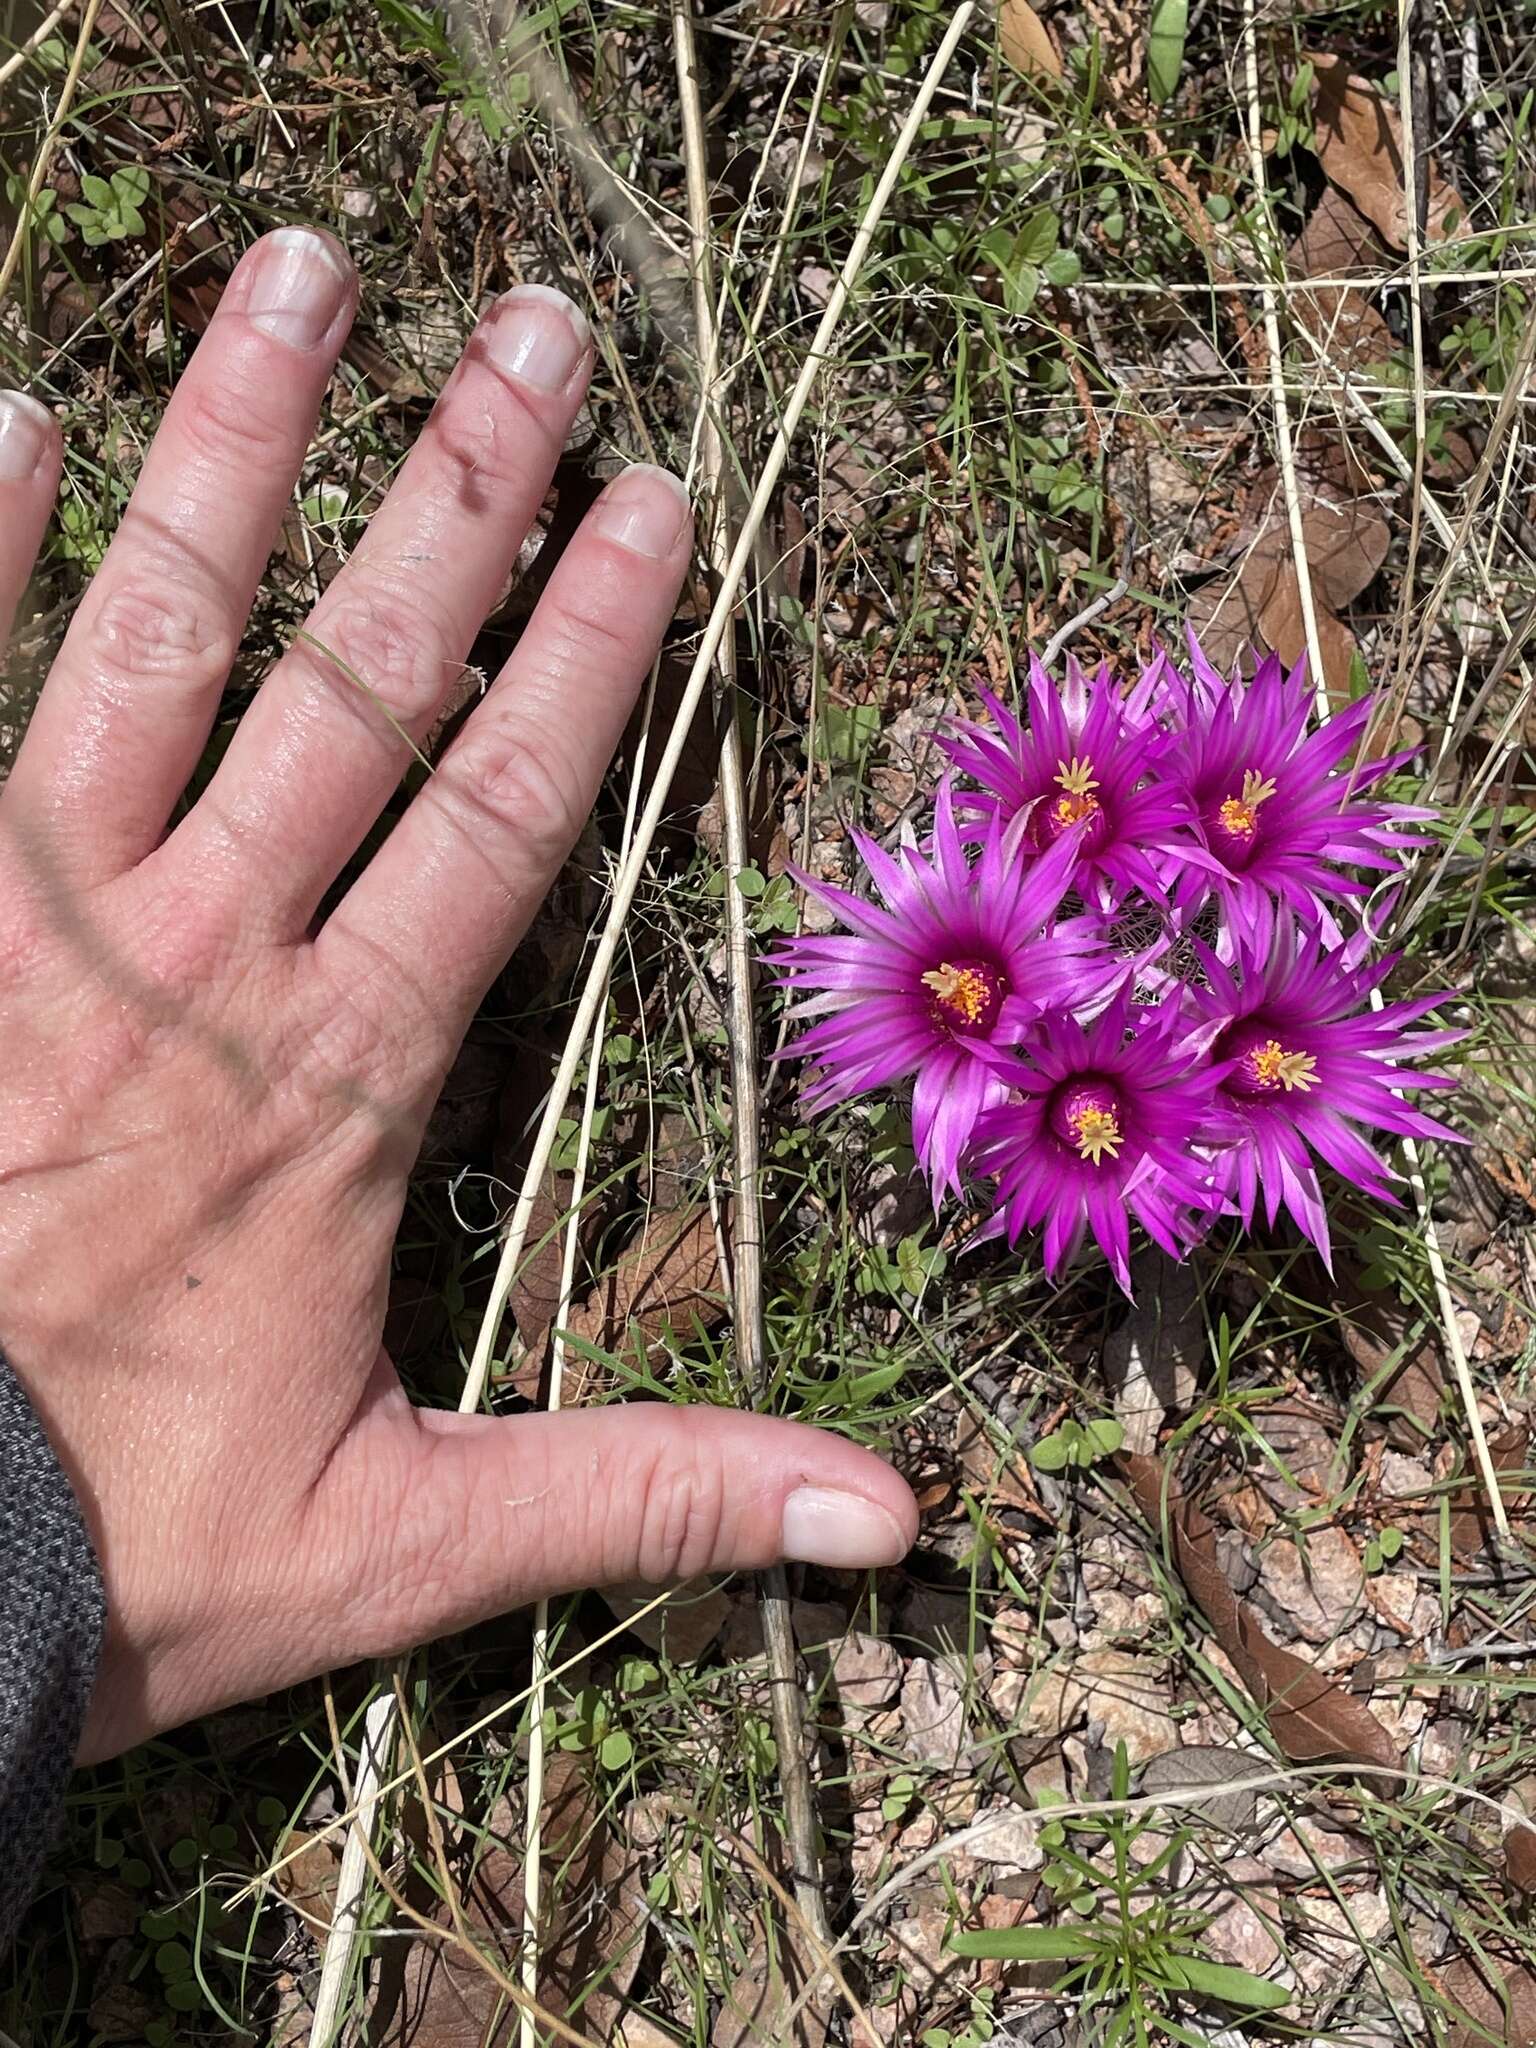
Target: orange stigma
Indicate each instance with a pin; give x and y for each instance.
(1273, 1065)
(1240, 814)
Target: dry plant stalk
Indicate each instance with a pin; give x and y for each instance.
(746, 1267)
(1450, 1328)
(338, 1953)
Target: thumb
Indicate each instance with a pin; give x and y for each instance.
(455, 1518)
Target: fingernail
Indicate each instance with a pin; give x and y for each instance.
(646, 509)
(537, 336)
(822, 1526)
(299, 287)
(24, 426)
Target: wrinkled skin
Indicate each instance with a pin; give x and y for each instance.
(209, 1100)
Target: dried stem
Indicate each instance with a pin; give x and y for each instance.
(1450, 1328)
(594, 993)
(786, 1703)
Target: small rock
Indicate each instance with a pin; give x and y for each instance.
(1316, 1594)
(1243, 1933)
(1011, 1841)
(933, 1715)
(866, 1673)
(1328, 1947)
(1300, 1850)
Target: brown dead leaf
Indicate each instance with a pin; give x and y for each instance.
(1336, 242)
(1502, 2004)
(1360, 147)
(308, 1883)
(594, 1924)
(1310, 1715)
(1346, 541)
(1520, 1856)
(1401, 1363)
(1025, 40)
(1472, 1525)
(668, 1277)
(756, 2008)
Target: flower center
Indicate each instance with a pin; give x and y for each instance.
(1087, 1115)
(1236, 823)
(1076, 803)
(967, 994)
(1265, 1065)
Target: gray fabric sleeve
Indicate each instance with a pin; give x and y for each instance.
(52, 1610)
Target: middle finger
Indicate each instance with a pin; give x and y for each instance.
(315, 758)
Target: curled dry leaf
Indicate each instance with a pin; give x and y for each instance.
(1311, 1716)
(1502, 2005)
(1025, 41)
(1336, 242)
(667, 1279)
(1520, 1856)
(1359, 141)
(1471, 1517)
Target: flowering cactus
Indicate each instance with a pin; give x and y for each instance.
(1084, 1079)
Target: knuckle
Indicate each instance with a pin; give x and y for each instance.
(682, 1514)
(518, 781)
(388, 643)
(491, 432)
(230, 423)
(149, 627)
(587, 635)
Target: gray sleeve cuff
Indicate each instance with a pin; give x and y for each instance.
(52, 1611)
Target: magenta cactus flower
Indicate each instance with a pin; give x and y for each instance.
(1300, 1063)
(1277, 819)
(959, 956)
(1086, 760)
(1101, 1126)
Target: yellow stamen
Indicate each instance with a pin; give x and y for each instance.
(1078, 780)
(1240, 814)
(1097, 1131)
(961, 989)
(1272, 1063)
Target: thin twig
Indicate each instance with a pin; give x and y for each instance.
(786, 1704)
(1284, 449)
(594, 993)
(697, 682)
(1450, 1328)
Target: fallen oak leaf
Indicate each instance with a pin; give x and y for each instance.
(1472, 1526)
(1025, 40)
(1499, 2009)
(1336, 241)
(1312, 1718)
(1359, 143)
(668, 1278)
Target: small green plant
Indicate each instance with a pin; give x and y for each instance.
(906, 1270)
(1078, 1445)
(1137, 1963)
(42, 213)
(1382, 1548)
(111, 209)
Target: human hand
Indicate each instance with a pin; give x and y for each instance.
(208, 1106)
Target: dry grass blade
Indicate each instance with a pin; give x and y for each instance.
(747, 1236)
(594, 994)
